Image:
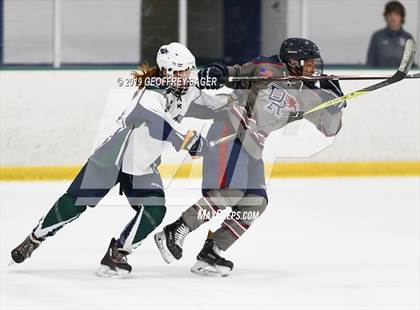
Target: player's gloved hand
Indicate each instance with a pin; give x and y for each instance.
(295, 116)
(334, 86)
(212, 76)
(195, 144)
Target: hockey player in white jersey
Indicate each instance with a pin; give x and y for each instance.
(130, 158)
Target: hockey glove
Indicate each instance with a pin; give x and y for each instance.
(195, 144)
(295, 116)
(334, 86)
(213, 76)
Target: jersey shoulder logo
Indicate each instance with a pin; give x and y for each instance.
(279, 101)
(265, 72)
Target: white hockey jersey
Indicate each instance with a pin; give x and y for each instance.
(150, 124)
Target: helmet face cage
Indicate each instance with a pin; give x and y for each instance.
(319, 67)
(306, 67)
(179, 85)
(302, 57)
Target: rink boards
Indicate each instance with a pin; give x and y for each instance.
(47, 133)
(277, 170)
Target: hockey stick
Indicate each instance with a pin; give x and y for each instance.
(317, 78)
(406, 63)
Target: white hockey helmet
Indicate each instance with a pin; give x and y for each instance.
(175, 57)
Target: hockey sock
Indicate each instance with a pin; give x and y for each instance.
(64, 211)
(144, 222)
(239, 220)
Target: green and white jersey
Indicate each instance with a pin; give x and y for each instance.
(150, 124)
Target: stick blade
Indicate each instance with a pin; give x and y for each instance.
(408, 56)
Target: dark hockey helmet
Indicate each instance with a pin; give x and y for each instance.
(302, 57)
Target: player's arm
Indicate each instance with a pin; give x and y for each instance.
(162, 127)
(329, 120)
(246, 69)
(216, 75)
(207, 106)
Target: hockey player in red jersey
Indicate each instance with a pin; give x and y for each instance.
(233, 173)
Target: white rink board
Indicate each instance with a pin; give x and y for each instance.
(322, 244)
(54, 118)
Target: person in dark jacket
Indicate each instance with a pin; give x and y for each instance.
(387, 45)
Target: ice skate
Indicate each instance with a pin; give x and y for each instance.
(114, 264)
(25, 249)
(171, 239)
(210, 263)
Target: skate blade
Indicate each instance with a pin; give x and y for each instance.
(204, 269)
(11, 262)
(160, 240)
(106, 272)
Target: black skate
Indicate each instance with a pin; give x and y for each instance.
(114, 264)
(210, 263)
(171, 239)
(25, 249)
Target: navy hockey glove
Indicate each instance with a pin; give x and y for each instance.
(212, 76)
(334, 86)
(295, 116)
(195, 144)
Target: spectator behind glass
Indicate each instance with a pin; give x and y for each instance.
(387, 45)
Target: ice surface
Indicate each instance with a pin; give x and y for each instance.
(322, 244)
